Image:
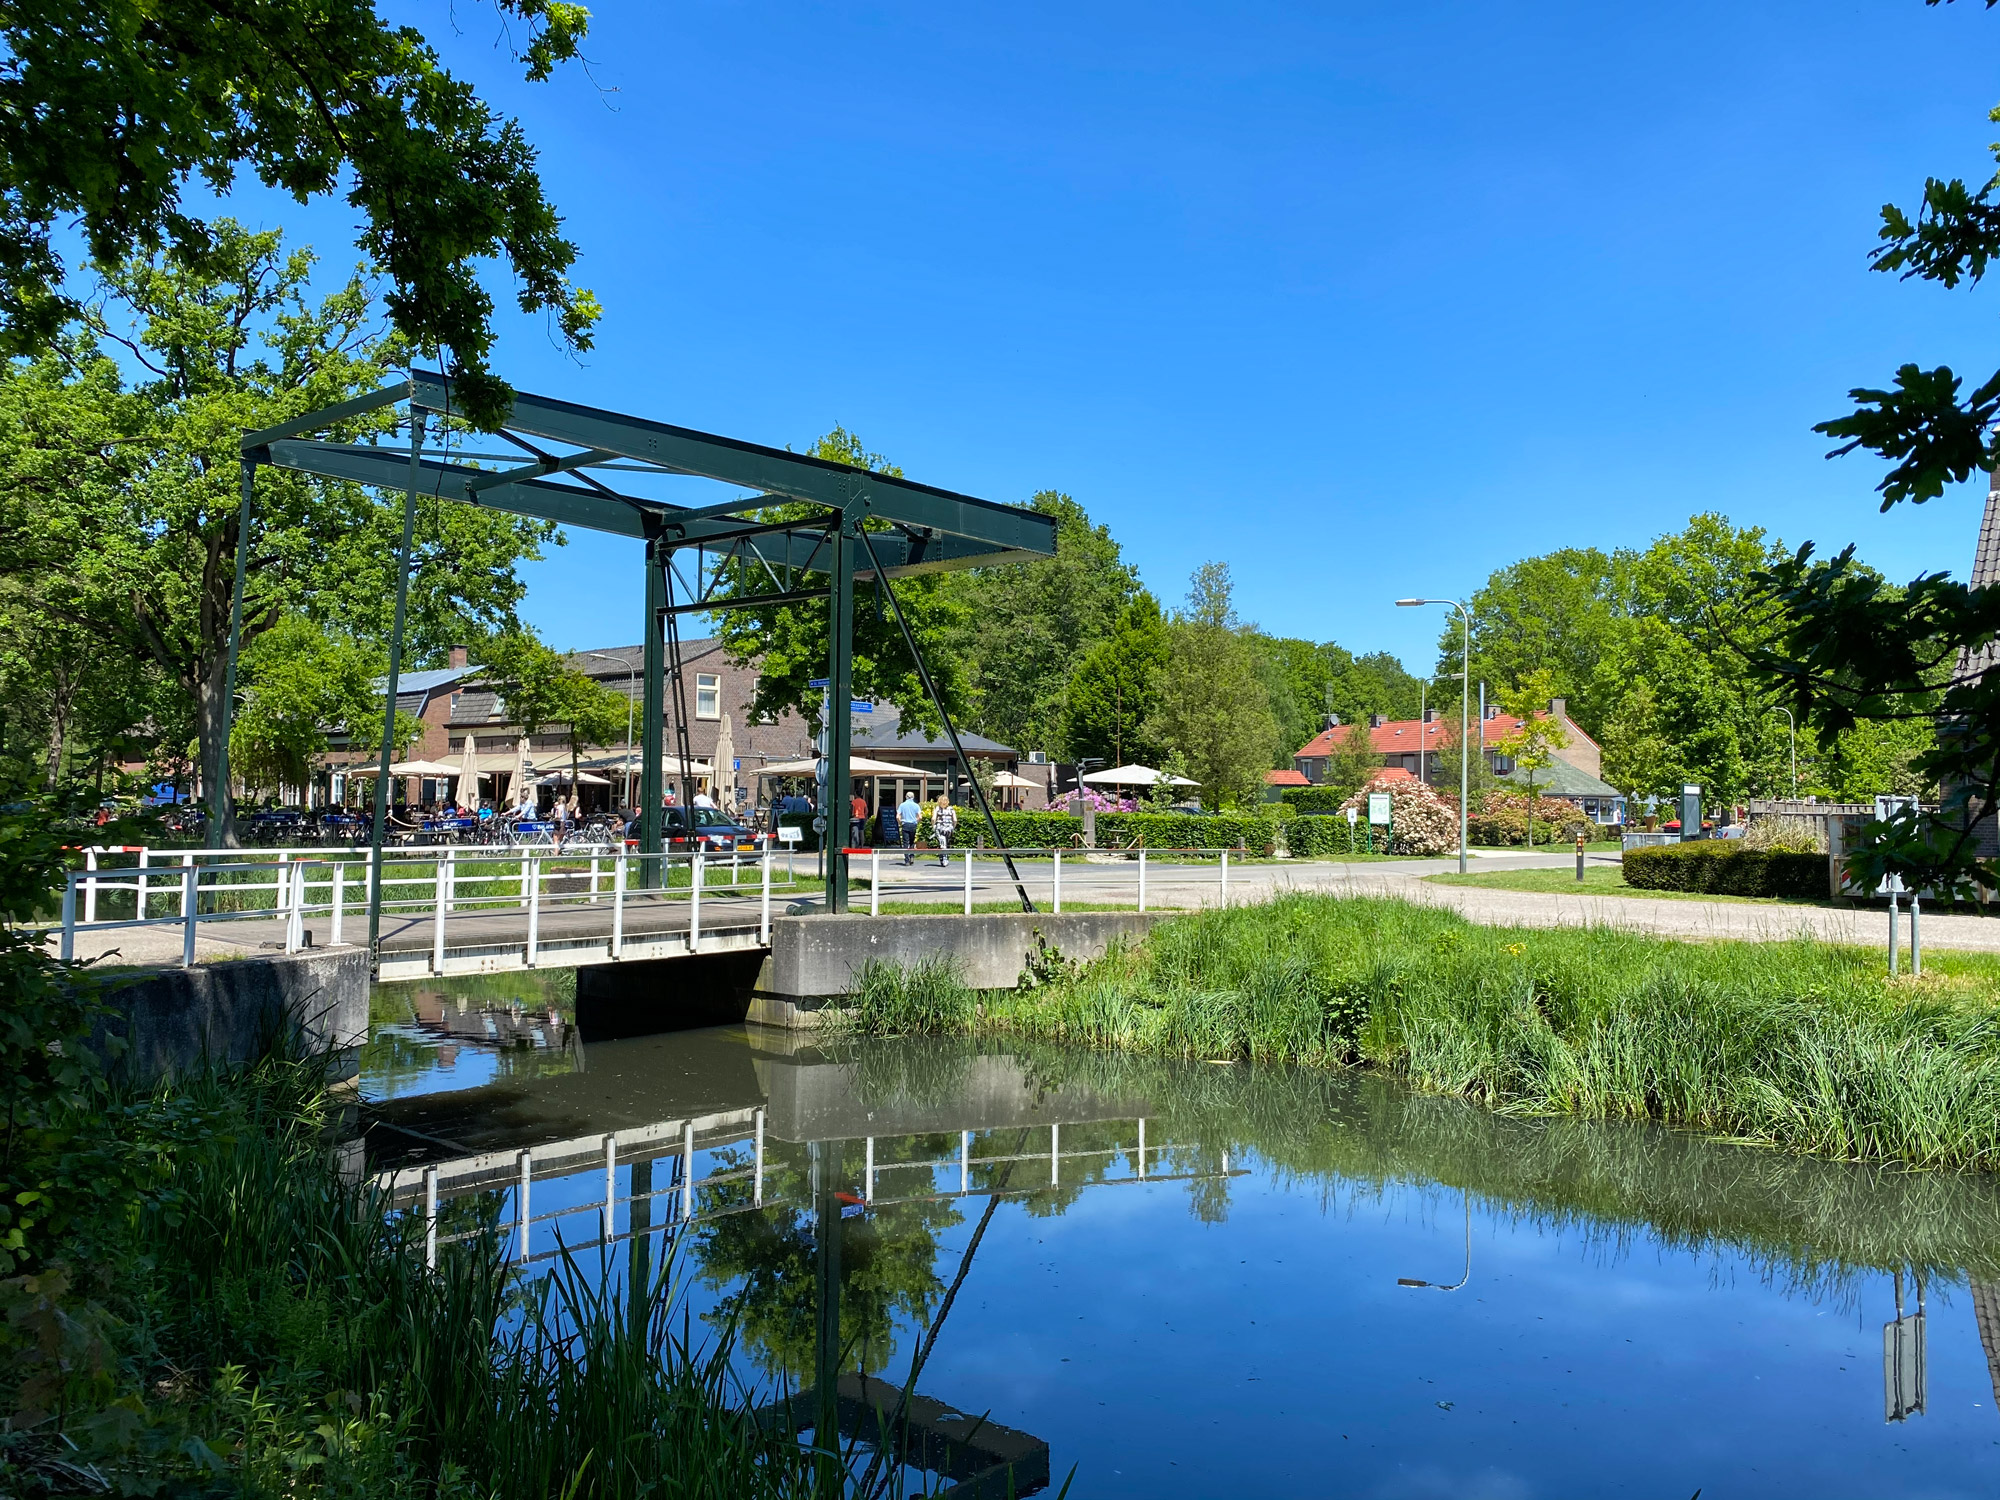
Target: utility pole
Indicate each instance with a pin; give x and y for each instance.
(1464, 717)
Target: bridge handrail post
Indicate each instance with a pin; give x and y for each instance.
(140, 912)
(694, 902)
(430, 1218)
(618, 906)
(187, 861)
(875, 881)
(687, 1171)
(90, 888)
(1142, 877)
(1225, 877)
(441, 876)
(337, 899)
(1057, 902)
(1142, 1145)
(450, 878)
(757, 1165)
(531, 868)
(525, 1163)
(69, 918)
(968, 882)
(190, 910)
(764, 916)
(965, 1161)
(593, 880)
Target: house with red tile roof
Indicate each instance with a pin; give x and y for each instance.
(1416, 745)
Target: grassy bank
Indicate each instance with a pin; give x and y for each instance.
(1598, 880)
(235, 1317)
(1797, 1044)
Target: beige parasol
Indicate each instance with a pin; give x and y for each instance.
(722, 786)
(468, 772)
(517, 789)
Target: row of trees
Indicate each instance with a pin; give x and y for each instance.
(1658, 653)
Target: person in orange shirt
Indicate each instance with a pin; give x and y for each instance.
(857, 808)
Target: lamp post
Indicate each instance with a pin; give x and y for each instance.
(631, 697)
(1464, 717)
(1792, 720)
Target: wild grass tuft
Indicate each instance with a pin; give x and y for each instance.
(1799, 1044)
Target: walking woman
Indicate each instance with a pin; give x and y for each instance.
(944, 823)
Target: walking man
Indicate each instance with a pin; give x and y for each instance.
(908, 815)
(857, 820)
(944, 823)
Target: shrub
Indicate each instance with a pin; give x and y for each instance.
(1419, 821)
(1023, 830)
(1723, 867)
(1257, 832)
(1792, 835)
(1318, 837)
(1314, 799)
(1502, 818)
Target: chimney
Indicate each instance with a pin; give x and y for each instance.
(1559, 710)
(1333, 721)
(1492, 710)
(1376, 721)
(458, 656)
(1430, 716)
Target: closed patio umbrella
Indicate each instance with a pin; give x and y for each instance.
(468, 772)
(722, 786)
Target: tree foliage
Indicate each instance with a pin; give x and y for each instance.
(1214, 712)
(108, 111)
(120, 502)
(1114, 693)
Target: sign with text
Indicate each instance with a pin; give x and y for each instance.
(1378, 809)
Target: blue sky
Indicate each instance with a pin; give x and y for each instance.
(1363, 300)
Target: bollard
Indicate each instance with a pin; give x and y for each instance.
(1057, 903)
(1579, 859)
(1142, 879)
(1225, 877)
(764, 916)
(1916, 943)
(875, 881)
(1892, 926)
(618, 907)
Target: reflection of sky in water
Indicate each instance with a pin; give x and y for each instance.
(1261, 1345)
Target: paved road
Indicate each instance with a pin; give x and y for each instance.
(1114, 882)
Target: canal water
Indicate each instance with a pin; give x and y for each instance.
(1308, 1283)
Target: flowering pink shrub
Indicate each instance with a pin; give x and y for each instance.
(1420, 822)
(1090, 797)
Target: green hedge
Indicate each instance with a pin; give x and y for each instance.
(1317, 837)
(1723, 867)
(1021, 830)
(1315, 799)
(1257, 832)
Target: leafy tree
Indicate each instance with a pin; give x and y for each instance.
(1298, 677)
(304, 684)
(107, 111)
(1533, 744)
(1029, 625)
(1354, 760)
(1639, 757)
(790, 644)
(540, 691)
(1557, 613)
(1479, 777)
(1373, 684)
(1115, 690)
(1213, 710)
(121, 503)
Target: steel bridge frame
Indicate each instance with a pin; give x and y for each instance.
(860, 527)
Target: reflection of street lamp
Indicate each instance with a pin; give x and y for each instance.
(631, 697)
(1437, 1286)
(1464, 718)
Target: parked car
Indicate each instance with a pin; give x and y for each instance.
(713, 831)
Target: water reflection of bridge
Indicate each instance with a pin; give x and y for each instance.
(959, 1123)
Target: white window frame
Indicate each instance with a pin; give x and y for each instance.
(708, 691)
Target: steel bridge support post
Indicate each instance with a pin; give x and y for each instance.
(222, 807)
(653, 709)
(825, 1158)
(381, 821)
(840, 722)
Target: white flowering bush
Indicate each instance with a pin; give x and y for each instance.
(1420, 822)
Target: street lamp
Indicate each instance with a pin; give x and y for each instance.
(1791, 719)
(1464, 718)
(631, 698)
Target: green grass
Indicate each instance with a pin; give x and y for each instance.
(246, 1321)
(1797, 1044)
(1598, 880)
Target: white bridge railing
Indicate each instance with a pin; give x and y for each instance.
(194, 888)
(197, 890)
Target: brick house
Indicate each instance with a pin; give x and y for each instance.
(1415, 746)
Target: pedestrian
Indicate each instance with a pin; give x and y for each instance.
(702, 799)
(857, 819)
(561, 815)
(908, 815)
(944, 823)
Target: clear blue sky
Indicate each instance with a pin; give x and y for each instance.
(1364, 300)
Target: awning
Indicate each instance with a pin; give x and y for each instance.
(1135, 776)
(856, 766)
